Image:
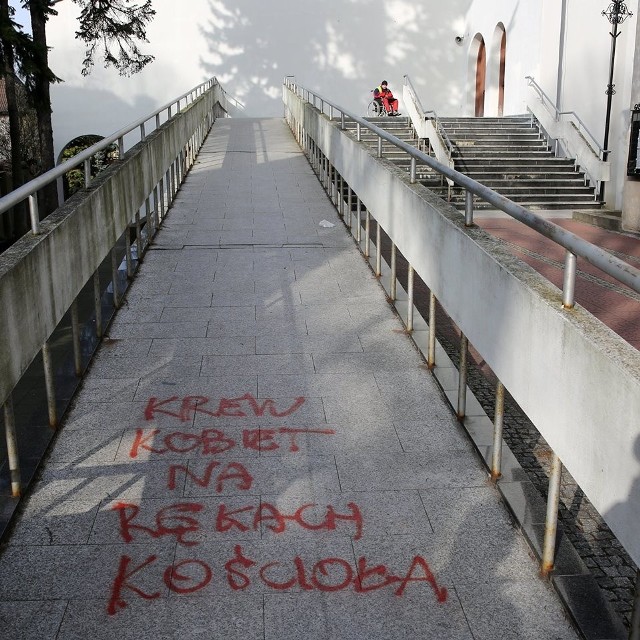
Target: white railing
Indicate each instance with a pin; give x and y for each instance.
(577, 381)
(112, 221)
(570, 134)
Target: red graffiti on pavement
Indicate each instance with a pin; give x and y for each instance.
(210, 442)
(184, 519)
(331, 574)
(183, 409)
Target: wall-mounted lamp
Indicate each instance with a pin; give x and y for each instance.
(633, 163)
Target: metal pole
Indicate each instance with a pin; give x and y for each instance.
(367, 235)
(75, 337)
(379, 146)
(410, 299)
(569, 283)
(378, 250)
(33, 212)
(349, 205)
(431, 354)
(496, 460)
(551, 522)
(114, 278)
(462, 377)
(393, 284)
(412, 176)
(468, 209)
(12, 447)
(358, 220)
(97, 300)
(49, 385)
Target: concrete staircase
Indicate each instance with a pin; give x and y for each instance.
(506, 154)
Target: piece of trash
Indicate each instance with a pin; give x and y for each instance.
(326, 223)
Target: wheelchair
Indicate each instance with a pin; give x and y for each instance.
(375, 109)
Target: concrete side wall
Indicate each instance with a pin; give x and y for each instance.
(40, 276)
(576, 379)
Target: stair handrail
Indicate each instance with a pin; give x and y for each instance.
(574, 244)
(426, 114)
(557, 116)
(30, 189)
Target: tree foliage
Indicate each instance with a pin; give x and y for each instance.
(114, 26)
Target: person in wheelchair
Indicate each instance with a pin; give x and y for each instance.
(383, 97)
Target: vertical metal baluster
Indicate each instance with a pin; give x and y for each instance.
(378, 250)
(462, 377)
(498, 420)
(114, 278)
(87, 172)
(349, 205)
(569, 283)
(410, 280)
(551, 522)
(393, 283)
(412, 174)
(367, 235)
(12, 447)
(431, 354)
(138, 236)
(468, 209)
(358, 220)
(33, 212)
(49, 385)
(97, 301)
(75, 337)
(127, 252)
(358, 132)
(379, 146)
(151, 229)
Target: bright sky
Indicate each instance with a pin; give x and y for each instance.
(22, 15)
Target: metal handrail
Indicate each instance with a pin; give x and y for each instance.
(439, 128)
(576, 246)
(548, 103)
(29, 189)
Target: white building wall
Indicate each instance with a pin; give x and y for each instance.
(341, 49)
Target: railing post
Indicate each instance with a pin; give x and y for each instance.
(393, 284)
(358, 132)
(412, 175)
(367, 235)
(551, 522)
(87, 172)
(378, 250)
(468, 208)
(410, 280)
(462, 377)
(114, 278)
(498, 421)
(349, 205)
(358, 220)
(379, 146)
(431, 353)
(343, 125)
(97, 301)
(12, 447)
(49, 385)
(569, 283)
(33, 212)
(75, 337)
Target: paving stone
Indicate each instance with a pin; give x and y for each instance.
(25, 620)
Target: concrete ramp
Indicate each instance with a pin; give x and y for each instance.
(258, 451)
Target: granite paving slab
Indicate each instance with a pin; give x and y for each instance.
(258, 451)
